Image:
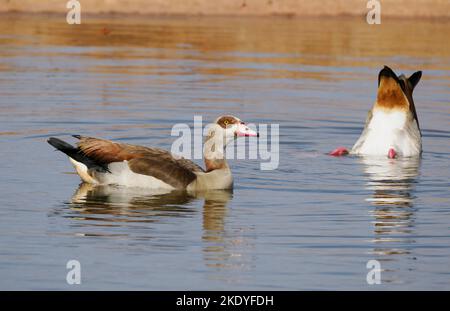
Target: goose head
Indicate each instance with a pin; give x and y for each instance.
(224, 130)
(233, 127)
(228, 128)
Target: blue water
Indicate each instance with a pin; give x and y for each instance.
(313, 223)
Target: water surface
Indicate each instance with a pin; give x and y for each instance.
(313, 223)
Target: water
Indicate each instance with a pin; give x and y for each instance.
(313, 223)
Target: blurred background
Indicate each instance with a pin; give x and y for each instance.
(399, 8)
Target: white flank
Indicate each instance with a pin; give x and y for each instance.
(122, 175)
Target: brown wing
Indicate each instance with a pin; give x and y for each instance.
(412, 109)
(154, 162)
(408, 91)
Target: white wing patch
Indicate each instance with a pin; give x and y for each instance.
(121, 174)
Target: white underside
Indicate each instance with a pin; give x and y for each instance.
(82, 171)
(388, 130)
(120, 174)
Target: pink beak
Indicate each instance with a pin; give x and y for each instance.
(244, 130)
(392, 154)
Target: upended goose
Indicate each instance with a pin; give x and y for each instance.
(104, 162)
(392, 128)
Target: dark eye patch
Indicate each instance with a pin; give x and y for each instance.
(226, 121)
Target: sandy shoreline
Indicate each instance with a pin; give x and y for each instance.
(389, 8)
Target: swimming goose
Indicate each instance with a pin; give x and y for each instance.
(100, 161)
(392, 128)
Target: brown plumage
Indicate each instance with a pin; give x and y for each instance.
(155, 162)
(390, 95)
(396, 92)
(101, 161)
(226, 121)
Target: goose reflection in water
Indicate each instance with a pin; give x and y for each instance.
(96, 208)
(392, 184)
(121, 204)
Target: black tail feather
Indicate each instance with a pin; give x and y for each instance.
(62, 145)
(389, 73)
(73, 152)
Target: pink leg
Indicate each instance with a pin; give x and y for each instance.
(341, 151)
(392, 154)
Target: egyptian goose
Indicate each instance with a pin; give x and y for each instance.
(104, 162)
(392, 128)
